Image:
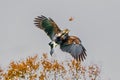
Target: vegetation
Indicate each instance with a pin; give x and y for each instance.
(35, 68)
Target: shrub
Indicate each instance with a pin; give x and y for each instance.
(34, 68)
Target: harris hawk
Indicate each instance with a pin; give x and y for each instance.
(70, 44)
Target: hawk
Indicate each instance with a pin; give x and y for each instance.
(70, 44)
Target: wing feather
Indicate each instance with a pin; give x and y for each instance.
(75, 48)
(48, 25)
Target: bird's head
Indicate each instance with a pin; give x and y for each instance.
(63, 33)
(61, 36)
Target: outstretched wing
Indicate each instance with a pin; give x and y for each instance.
(48, 25)
(73, 46)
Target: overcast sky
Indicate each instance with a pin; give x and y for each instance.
(96, 23)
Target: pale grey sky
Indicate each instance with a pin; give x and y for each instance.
(96, 23)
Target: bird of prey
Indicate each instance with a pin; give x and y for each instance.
(70, 44)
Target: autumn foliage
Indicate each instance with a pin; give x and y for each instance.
(35, 68)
